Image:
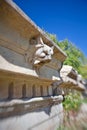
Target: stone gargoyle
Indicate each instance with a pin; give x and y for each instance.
(38, 53)
(43, 52)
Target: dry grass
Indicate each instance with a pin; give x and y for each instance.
(75, 120)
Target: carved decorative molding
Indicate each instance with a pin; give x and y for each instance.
(19, 107)
(71, 79)
(38, 53)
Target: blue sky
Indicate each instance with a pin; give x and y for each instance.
(65, 18)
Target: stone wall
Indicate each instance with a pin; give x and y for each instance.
(48, 118)
(30, 63)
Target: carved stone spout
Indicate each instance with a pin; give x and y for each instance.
(43, 52)
(38, 53)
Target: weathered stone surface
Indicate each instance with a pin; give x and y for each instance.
(3, 89)
(29, 93)
(21, 106)
(41, 53)
(20, 22)
(27, 97)
(71, 79)
(43, 118)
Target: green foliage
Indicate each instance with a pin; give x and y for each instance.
(72, 101)
(75, 57)
(85, 100)
(62, 127)
(53, 37)
(73, 54)
(83, 70)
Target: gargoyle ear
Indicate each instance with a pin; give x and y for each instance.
(41, 41)
(52, 47)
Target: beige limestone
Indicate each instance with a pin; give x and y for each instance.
(27, 100)
(71, 78)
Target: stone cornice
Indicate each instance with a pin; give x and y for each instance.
(7, 43)
(24, 76)
(71, 78)
(22, 23)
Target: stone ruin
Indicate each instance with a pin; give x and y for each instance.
(30, 63)
(31, 83)
(71, 79)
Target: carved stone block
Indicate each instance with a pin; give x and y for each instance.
(3, 89)
(38, 53)
(38, 93)
(29, 92)
(50, 90)
(18, 89)
(45, 92)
